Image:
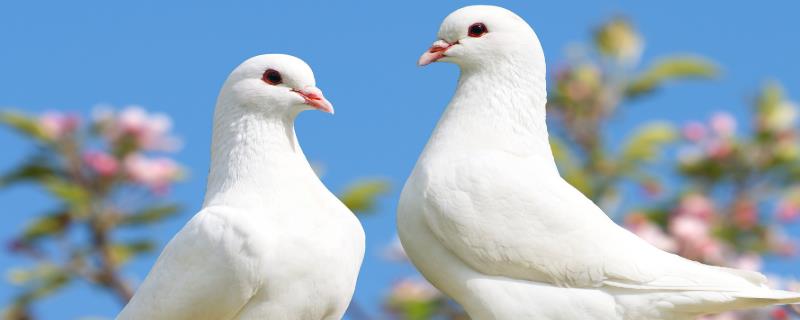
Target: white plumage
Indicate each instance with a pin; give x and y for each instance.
(487, 218)
(271, 242)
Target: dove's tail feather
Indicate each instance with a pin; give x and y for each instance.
(752, 299)
(717, 302)
(761, 295)
(769, 297)
(756, 278)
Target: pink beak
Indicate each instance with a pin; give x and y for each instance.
(436, 52)
(314, 98)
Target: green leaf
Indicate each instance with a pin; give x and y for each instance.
(659, 216)
(46, 226)
(40, 281)
(618, 39)
(77, 197)
(673, 68)
(646, 143)
(22, 124)
(580, 179)
(561, 153)
(19, 276)
(418, 310)
(771, 95)
(123, 252)
(362, 195)
(150, 215)
(572, 172)
(50, 283)
(34, 170)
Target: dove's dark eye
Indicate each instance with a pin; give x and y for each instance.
(477, 30)
(272, 77)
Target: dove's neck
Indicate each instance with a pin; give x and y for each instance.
(251, 154)
(497, 108)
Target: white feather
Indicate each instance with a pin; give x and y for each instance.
(487, 218)
(271, 242)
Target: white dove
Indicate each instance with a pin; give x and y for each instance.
(271, 242)
(487, 218)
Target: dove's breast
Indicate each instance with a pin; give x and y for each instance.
(306, 264)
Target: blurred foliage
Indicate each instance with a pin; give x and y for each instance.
(416, 299)
(361, 196)
(106, 177)
(587, 93)
(667, 69)
(732, 192)
(737, 194)
(95, 191)
(618, 39)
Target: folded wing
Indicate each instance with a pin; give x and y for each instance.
(509, 216)
(197, 276)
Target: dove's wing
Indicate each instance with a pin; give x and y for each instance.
(516, 217)
(201, 274)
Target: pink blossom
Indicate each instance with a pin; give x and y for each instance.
(696, 205)
(55, 125)
(750, 262)
(694, 131)
(651, 233)
(779, 314)
(100, 162)
(689, 228)
(781, 244)
(156, 173)
(723, 124)
(711, 250)
(413, 290)
(148, 131)
(132, 119)
(788, 209)
(745, 215)
(719, 149)
(694, 238)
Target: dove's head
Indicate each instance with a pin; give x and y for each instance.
(477, 36)
(276, 84)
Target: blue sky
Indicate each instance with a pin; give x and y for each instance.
(173, 57)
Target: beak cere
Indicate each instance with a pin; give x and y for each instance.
(314, 98)
(436, 52)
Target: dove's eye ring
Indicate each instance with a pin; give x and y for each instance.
(477, 29)
(272, 77)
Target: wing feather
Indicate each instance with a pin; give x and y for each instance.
(516, 217)
(200, 274)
